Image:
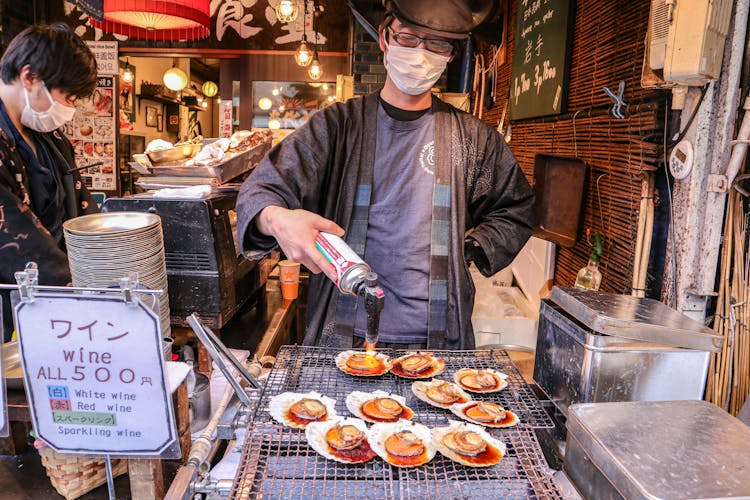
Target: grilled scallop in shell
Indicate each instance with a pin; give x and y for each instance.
(486, 380)
(363, 364)
(343, 440)
(297, 410)
(485, 413)
(468, 444)
(403, 443)
(378, 406)
(418, 365)
(344, 437)
(440, 393)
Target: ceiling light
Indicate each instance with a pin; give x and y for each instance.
(286, 11)
(210, 89)
(127, 74)
(265, 103)
(303, 56)
(204, 104)
(162, 20)
(175, 79)
(274, 124)
(316, 70)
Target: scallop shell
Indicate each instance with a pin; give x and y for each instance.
(419, 389)
(279, 406)
(458, 411)
(342, 357)
(378, 433)
(436, 369)
(498, 375)
(316, 436)
(356, 399)
(438, 433)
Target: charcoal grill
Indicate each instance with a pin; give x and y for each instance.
(277, 462)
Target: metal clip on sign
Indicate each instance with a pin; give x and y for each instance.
(619, 105)
(221, 355)
(128, 286)
(27, 280)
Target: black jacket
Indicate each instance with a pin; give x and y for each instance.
(22, 236)
(316, 168)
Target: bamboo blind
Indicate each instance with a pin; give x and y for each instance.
(607, 46)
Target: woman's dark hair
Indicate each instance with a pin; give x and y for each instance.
(56, 55)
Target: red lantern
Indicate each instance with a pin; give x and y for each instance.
(160, 20)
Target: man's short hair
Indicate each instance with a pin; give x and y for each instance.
(56, 55)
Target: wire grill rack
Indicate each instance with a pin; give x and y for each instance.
(277, 462)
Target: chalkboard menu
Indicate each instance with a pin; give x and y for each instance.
(538, 85)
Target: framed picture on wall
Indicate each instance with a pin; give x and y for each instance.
(151, 116)
(159, 123)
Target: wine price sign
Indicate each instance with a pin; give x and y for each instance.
(95, 374)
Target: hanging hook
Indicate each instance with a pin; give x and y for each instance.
(619, 105)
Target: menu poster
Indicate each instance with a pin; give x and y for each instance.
(541, 58)
(94, 373)
(93, 134)
(105, 54)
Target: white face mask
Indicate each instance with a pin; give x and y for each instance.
(413, 70)
(46, 121)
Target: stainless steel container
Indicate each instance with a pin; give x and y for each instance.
(597, 347)
(665, 449)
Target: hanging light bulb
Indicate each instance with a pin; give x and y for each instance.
(286, 11)
(127, 74)
(204, 104)
(303, 56)
(175, 79)
(316, 70)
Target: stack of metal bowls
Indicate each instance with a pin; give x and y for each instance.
(105, 247)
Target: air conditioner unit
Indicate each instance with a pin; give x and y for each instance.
(687, 39)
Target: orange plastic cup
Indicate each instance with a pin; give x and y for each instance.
(289, 279)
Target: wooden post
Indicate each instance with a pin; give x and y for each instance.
(182, 416)
(146, 478)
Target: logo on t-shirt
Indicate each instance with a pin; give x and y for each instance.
(427, 158)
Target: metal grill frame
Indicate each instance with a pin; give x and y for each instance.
(277, 462)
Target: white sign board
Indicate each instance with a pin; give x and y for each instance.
(106, 57)
(225, 118)
(94, 374)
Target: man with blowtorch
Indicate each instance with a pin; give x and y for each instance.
(415, 187)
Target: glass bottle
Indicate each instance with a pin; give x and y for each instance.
(589, 278)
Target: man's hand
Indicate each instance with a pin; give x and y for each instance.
(295, 231)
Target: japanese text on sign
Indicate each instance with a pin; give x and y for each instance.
(538, 83)
(94, 373)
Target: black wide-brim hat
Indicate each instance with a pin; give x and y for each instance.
(447, 18)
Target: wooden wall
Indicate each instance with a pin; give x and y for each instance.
(608, 46)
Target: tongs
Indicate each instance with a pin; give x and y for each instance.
(221, 355)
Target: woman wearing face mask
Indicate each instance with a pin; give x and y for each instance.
(407, 176)
(42, 73)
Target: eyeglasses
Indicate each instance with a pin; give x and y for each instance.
(411, 41)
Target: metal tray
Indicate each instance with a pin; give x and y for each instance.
(222, 172)
(277, 462)
(663, 449)
(635, 318)
(559, 185)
